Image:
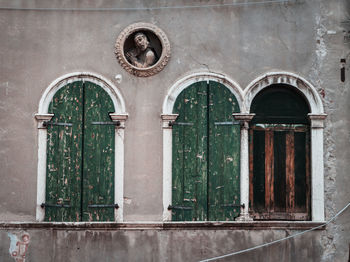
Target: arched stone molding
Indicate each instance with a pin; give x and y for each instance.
(168, 116)
(293, 80)
(119, 115)
(316, 116)
(107, 85)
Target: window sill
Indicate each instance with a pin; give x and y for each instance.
(214, 225)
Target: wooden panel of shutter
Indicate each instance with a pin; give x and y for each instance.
(63, 181)
(190, 155)
(98, 156)
(206, 154)
(269, 171)
(224, 155)
(284, 154)
(290, 174)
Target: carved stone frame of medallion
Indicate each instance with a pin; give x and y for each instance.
(149, 71)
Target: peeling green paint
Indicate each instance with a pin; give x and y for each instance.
(80, 157)
(205, 155)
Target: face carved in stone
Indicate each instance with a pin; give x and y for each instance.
(142, 55)
(141, 41)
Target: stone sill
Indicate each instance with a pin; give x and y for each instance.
(249, 225)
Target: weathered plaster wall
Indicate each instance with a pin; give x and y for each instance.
(166, 245)
(36, 47)
(325, 74)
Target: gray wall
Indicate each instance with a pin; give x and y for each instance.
(243, 42)
(166, 245)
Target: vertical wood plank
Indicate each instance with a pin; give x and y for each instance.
(98, 155)
(177, 161)
(269, 171)
(63, 181)
(224, 154)
(190, 154)
(259, 170)
(279, 147)
(290, 176)
(201, 177)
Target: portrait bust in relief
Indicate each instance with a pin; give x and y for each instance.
(142, 49)
(142, 54)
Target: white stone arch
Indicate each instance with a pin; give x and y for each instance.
(316, 116)
(290, 79)
(119, 115)
(101, 81)
(168, 116)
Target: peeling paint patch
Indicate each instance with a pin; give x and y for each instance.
(127, 200)
(18, 245)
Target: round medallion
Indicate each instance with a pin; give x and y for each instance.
(142, 49)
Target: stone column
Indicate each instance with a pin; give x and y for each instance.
(167, 119)
(244, 119)
(41, 179)
(119, 119)
(317, 176)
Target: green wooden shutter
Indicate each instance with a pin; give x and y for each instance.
(224, 154)
(64, 141)
(190, 154)
(98, 177)
(205, 154)
(80, 155)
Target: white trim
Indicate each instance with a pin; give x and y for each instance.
(317, 179)
(317, 118)
(41, 180)
(119, 162)
(244, 118)
(168, 116)
(101, 81)
(291, 79)
(118, 115)
(167, 163)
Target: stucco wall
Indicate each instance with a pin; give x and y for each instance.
(241, 42)
(164, 245)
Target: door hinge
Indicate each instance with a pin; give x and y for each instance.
(180, 124)
(116, 206)
(49, 123)
(226, 123)
(43, 205)
(117, 123)
(170, 207)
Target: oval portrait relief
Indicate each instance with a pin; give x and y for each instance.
(142, 49)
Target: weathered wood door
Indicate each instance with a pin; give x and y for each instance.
(80, 155)
(280, 155)
(206, 154)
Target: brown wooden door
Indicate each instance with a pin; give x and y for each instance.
(279, 155)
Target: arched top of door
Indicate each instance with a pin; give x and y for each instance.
(108, 86)
(186, 81)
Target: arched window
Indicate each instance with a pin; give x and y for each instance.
(80, 163)
(279, 141)
(205, 154)
(80, 155)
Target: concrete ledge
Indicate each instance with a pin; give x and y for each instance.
(255, 225)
